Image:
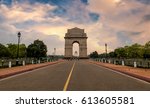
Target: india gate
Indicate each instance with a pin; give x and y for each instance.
(76, 35)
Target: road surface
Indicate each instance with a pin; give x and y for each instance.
(73, 76)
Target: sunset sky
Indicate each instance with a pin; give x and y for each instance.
(115, 22)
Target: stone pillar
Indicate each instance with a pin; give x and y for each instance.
(122, 63)
(32, 62)
(83, 48)
(23, 63)
(135, 64)
(114, 61)
(2, 63)
(68, 51)
(39, 61)
(9, 64)
(68, 48)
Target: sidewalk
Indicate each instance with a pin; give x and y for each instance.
(20, 69)
(140, 73)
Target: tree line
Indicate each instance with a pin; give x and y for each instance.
(133, 51)
(36, 49)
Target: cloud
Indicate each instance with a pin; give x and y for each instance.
(115, 22)
(75, 11)
(129, 33)
(120, 20)
(22, 17)
(24, 12)
(146, 18)
(147, 2)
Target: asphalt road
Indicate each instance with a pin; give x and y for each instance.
(73, 76)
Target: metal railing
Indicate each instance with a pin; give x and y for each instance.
(5, 63)
(140, 63)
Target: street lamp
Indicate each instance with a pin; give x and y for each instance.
(106, 52)
(106, 49)
(19, 35)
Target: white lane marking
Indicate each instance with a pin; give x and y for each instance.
(27, 72)
(122, 74)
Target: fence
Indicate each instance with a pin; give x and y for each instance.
(4, 63)
(140, 63)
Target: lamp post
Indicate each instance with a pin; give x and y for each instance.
(54, 51)
(105, 52)
(106, 49)
(19, 35)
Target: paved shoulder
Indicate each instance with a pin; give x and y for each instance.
(92, 77)
(52, 77)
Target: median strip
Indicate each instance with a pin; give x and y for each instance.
(69, 77)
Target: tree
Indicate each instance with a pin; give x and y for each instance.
(147, 50)
(135, 51)
(112, 54)
(120, 53)
(4, 52)
(22, 50)
(37, 49)
(13, 50)
(94, 54)
(103, 55)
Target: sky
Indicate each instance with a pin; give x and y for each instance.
(115, 22)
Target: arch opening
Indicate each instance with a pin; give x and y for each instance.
(76, 50)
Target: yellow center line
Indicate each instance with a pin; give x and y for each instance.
(68, 79)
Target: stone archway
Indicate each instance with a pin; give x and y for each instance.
(72, 36)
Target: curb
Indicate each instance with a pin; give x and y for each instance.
(26, 70)
(127, 73)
